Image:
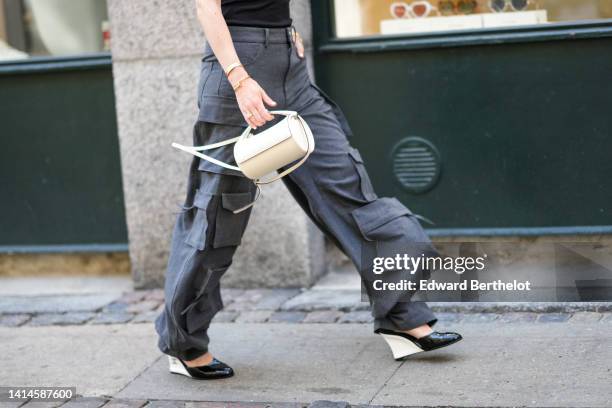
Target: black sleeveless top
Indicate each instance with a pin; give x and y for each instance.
(256, 13)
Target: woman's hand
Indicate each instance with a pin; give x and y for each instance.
(251, 99)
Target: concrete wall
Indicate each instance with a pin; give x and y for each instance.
(156, 49)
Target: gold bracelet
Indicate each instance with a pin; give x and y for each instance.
(231, 67)
(239, 82)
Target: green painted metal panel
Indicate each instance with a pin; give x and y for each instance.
(59, 162)
(523, 128)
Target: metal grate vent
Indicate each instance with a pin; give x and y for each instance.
(416, 164)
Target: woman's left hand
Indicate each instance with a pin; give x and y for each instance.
(299, 45)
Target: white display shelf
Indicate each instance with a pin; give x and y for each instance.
(472, 21)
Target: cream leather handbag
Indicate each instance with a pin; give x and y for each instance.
(265, 152)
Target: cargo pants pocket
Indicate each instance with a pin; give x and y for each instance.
(198, 215)
(365, 184)
(229, 227)
(387, 221)
(377, 220)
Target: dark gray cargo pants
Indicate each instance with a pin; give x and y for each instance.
(332, 187)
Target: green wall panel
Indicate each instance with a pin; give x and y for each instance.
(59, 162)
(523, 129)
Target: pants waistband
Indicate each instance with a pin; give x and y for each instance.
(262, 35)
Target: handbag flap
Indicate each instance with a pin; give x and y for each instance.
(250, 147)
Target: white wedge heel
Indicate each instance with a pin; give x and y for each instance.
(400, 346)
(177, 367)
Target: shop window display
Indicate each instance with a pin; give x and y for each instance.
(372, 17)
(52, 28)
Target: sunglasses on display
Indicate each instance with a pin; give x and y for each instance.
(499, 6)
(417, 9)
(450, 7)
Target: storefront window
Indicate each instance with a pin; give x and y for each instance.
(372, 17)
(52, 28)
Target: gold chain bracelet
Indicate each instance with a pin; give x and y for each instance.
(239, 82)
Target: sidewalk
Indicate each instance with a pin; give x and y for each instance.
(283, 357)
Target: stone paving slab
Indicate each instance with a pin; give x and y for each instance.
(531, 365)
(275, 299)
(61, 319)
(42, 404)
(225, 317)
(498, 364)
(279, 362)
(146, 317)
(356, 317)
(10, 404)
(257, 316)
(85, 402)
(587, 317)
(119, 403)
(287, 317)
(323, 316)
(322, 299)
(112, 318)
(63, 285)
(97, 360)
(553, 363)
(14, 320)
(166, 404)
(55, 304)
(145, 306)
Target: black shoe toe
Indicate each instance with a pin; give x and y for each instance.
(436, 340)
(216, 369)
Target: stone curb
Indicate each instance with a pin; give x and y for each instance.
(533, 307)
(316, 317)
(301, 306)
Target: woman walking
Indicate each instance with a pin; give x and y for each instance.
(254, 60)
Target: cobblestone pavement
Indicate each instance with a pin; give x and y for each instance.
(97, 402)
(274, 306)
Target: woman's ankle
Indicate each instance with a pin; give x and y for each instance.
(203, 360)
(420, 331)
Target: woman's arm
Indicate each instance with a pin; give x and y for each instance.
(250, 96)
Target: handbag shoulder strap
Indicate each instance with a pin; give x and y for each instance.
(195, 150)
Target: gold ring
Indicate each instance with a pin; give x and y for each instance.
(249, 114)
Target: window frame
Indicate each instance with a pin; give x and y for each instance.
(53, 63)
(326, 40)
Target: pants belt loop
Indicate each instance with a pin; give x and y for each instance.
(267, 35)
